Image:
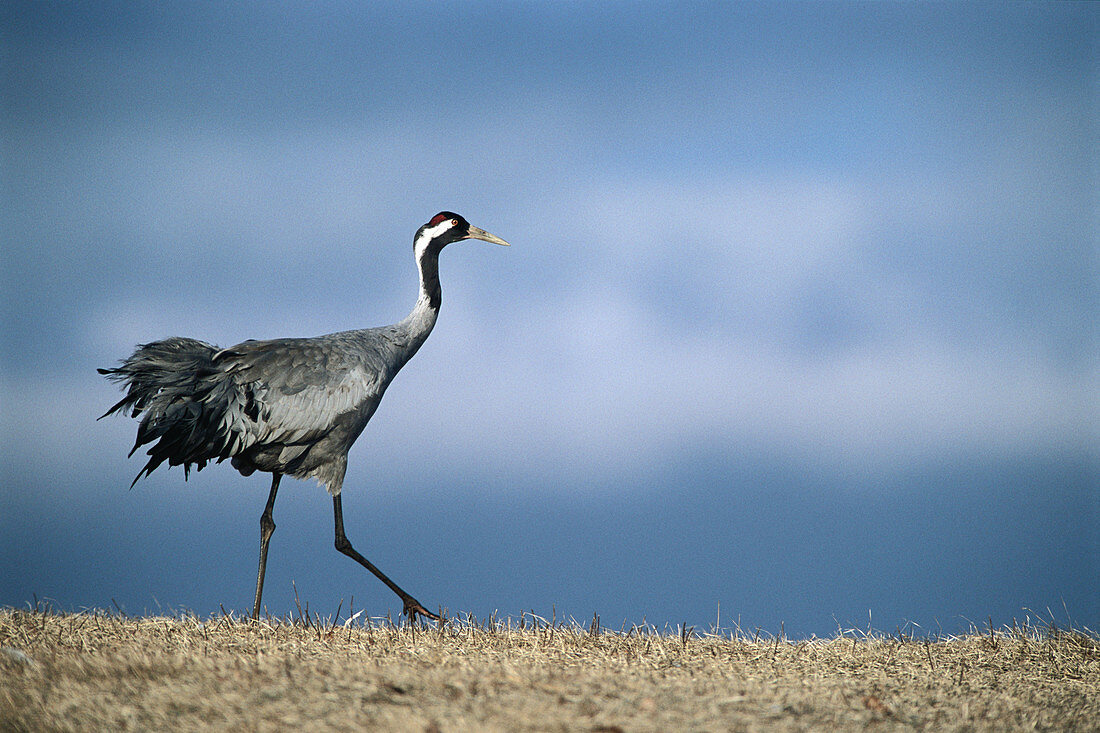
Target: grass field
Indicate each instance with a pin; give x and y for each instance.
(106, 671)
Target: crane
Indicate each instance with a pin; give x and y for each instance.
(290, 406)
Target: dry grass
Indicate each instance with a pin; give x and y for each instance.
(101, 671)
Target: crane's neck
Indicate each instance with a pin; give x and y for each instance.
(419, 323)
(427, 262)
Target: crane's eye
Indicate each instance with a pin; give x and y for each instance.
(454, 222)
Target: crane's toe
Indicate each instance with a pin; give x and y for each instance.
(413, 608)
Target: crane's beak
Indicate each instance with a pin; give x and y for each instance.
(484, 236)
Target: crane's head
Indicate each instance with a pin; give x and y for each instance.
(446, 227)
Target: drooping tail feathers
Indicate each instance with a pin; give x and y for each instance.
(176, 387)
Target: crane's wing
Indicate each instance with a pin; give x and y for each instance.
(292, 391)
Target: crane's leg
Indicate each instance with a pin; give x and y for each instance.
(267, 527)
(412, 607)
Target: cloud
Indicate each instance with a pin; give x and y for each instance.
(642, 319)
(603, 391)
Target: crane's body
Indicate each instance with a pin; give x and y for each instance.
(291, 406)
(287, 406)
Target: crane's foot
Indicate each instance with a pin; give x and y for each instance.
(413, 608)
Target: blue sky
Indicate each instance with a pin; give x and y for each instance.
(799, 320)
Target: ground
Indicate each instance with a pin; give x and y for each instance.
(106, 671)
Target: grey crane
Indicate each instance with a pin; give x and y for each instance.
(290, 406)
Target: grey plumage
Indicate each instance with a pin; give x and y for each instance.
(289, 406)
(292, 406)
